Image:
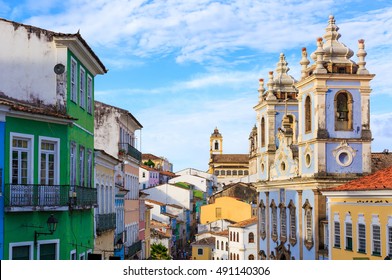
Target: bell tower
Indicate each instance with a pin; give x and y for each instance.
(216, 143)
(334, 127)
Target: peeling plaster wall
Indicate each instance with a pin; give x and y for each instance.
(28, 58)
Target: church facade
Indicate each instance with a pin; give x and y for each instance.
(226, 167)
(312, 133)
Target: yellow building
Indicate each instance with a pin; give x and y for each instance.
(360, 218)
(202, 249)
(228, 208)
(105, 215)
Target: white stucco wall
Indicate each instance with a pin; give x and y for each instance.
(28, 58)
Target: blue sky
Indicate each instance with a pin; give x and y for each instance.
(183, 68)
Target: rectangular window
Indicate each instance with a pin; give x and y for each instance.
(82, 88)
(21, 252)
(89, 94)
(72, 255)
(376, 240)
(262, 222)
(81, 166)
(349, 236)
(73, 79)
(21, 153)
(47, 251)
(361, 238)
(293, 224)
(73, 164)
(274, 232)
(336, 235)
(200, 251)
(48, 162)
(218, 212)
(283, 221)
(89, 168)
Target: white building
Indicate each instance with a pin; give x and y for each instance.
(201, 184)
(243, 240)
(221, 251)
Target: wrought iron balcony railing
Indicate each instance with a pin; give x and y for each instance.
(106, 222)
(31, 197)
(130, 150)
(134, 248)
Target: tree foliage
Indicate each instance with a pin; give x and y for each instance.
(149, 163)
(159, 252)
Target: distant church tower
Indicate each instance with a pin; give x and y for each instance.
(216, 143)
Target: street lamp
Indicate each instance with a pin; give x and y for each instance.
(52, 225)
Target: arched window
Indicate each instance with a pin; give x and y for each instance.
(308, 117)
(251, 257)
(251, 237)
(238, 237)
(343, 111)
(228, 172)
(262, 132)
(240, 172)
(227, 246)
(274, 217)
(222, 248)
(231, 236)
(238, 256)
(231, 256)
(308, 225)
(293, 223)
(283, 223)
(222, 173)
(217, 244)
(216, 145)
(262, 220)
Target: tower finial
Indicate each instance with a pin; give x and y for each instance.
(304, 63)
(320, 57)
(361, 57)
(261, 89)
(270, 86)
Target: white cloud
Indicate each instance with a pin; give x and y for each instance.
(381, 131)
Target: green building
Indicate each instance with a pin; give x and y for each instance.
(47, 102)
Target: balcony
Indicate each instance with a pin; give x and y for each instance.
(105, 222)
(130, 151)
(133, 249)
(30, 197)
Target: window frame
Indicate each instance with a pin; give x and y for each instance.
(82, 87)
(274, 221)
(30, 157)
(263, 217)
(308, 224)
(56, 153)
(73, 80)
(376, 242)
(89, 94)
(308, 114)
(348, 233)
(82, 162)
(21, 244)
(49, 241)
(361, 223)
(292, 223)
(73, 162)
